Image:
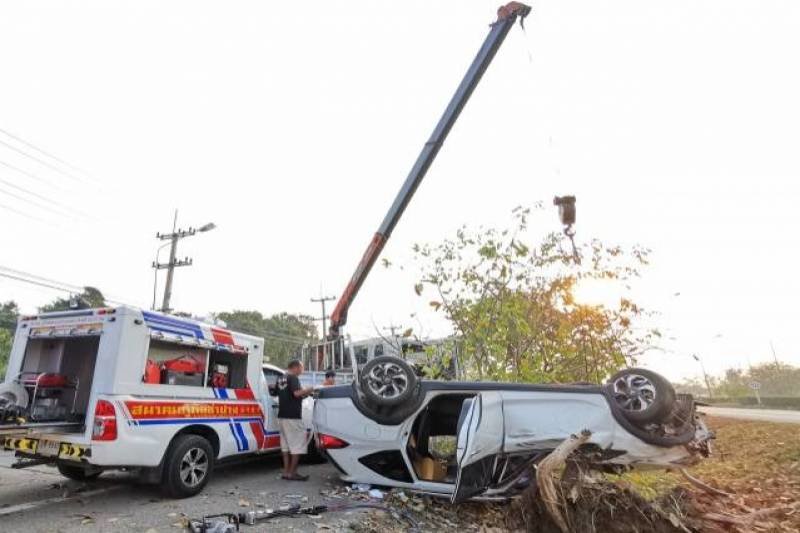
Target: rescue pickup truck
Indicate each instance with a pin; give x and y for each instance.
(122, 388)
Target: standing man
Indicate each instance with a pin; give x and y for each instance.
(294, 437)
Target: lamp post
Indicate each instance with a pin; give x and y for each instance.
(173, 238)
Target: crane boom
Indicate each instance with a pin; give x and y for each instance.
(506, 16)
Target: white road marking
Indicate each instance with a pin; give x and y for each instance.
(4, 511)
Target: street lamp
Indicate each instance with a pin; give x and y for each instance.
(173, 239)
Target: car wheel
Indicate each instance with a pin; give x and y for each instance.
(387, 381)
(187, 466)
(643, 396)
(78, 473)
(313, 456)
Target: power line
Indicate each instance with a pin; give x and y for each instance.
(48, 154)
(36, 195)
(25, 277)
(42, 162)
(32, 282)
(26, 215)
(40, 278)
(46, 199)
(37, 204)
(31, 175)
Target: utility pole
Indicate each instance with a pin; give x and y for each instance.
(775, 356)
(325, 317)
(705, 376)
(391, 328)
(174, 237)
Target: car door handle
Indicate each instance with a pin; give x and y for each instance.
(274, 406)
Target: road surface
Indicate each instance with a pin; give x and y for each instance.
(40, 500)
(765, 415)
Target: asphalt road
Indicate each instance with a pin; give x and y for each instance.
(765, 415)
(39, 500)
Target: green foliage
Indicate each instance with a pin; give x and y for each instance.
(773, 402)
(89, 298)
(9, 312)
(776, 379)
(511, 304)
(284, 333)
(5, 350)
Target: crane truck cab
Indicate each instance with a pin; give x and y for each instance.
(111, 388)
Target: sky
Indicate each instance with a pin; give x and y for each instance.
(676, 125)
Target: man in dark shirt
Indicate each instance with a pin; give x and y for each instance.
(294, 437)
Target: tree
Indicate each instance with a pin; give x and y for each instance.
(284, 333)
(5, 350)
(776, 379)
(9, 313)
(512, 307)
(89, 298)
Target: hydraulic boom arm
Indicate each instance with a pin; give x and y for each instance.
(506, 16)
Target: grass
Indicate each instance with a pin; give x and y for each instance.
(759, 462)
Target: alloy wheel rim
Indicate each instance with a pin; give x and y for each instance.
(387, 380)
(194, 467)
(634, 392)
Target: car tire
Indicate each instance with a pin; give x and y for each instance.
(313, 455)
(643, 396)
(188, 465)
(388, 381)
(78, 473)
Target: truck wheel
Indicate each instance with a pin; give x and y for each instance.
(187, 466)
(644, 396)
(387, 381)
(78, 473)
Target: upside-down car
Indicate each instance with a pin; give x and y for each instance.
(477, 439)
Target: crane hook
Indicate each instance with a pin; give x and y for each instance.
(566, 212)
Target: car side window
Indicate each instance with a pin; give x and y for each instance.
(272, 377)
(362, 353)
(378, 350)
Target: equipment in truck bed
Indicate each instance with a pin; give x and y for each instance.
(38, 397)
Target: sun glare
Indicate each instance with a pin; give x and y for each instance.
(603, 292)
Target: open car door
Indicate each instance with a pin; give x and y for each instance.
(481, 433)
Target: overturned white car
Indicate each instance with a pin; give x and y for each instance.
(478, 439)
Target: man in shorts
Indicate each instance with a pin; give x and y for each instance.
(294, 437)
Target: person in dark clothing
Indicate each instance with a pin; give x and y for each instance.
(330, 378)
(294, 437)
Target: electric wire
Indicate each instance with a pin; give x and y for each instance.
(40, 278)
(34, 203)
(33, 282)
(42, 162)
(24, 214)
(43, 152)
(34, 194)
(37, 195)
(33, 279)
(31, 175)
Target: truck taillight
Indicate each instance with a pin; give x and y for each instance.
(105, 421)
(329, 442)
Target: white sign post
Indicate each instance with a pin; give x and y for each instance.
(755, 385)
